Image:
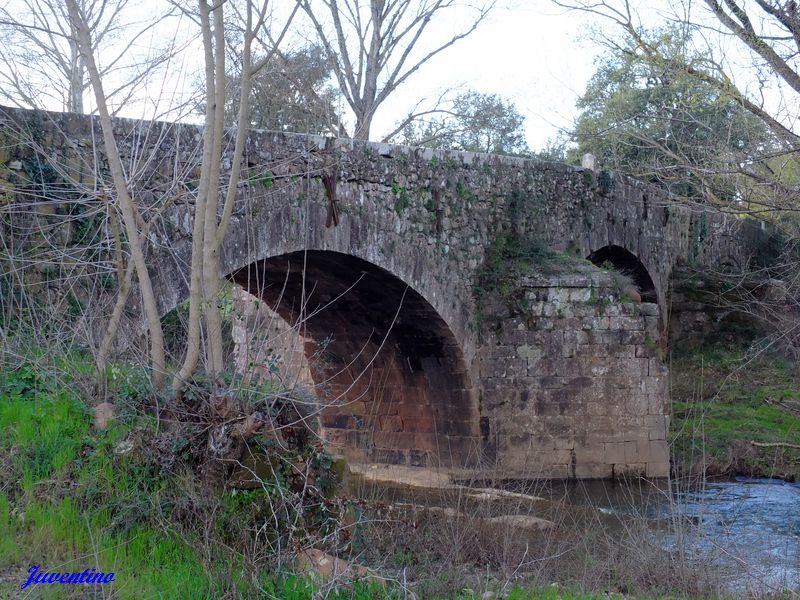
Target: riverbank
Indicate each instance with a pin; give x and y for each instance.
(128, 496)
(735, 411)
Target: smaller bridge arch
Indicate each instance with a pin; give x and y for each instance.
(629, 264)
(388, 372)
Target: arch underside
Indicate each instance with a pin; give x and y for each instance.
(627, 263)
(388, 373)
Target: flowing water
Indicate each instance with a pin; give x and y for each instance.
(748, 530)
(745, 533)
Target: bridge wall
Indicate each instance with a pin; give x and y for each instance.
(428, 218)
(573, 386)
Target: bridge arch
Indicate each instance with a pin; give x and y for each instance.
(628, 263)
(388, 372)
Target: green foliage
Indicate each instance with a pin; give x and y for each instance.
(476, 123)
(643, 117)
(292, 94)
(724, 397)
(266, 179)
(174, 325)
(509, 257)
(402, 200)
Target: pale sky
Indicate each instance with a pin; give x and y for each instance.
(528, 51)
(533, 54)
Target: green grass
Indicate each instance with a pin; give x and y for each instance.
(72, 503)
(722, 402)
(69, 502)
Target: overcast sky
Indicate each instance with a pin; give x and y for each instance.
(528, 51)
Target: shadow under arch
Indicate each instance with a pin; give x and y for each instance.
(388, 372)
(626, 262)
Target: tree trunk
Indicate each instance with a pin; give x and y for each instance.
(123, 197)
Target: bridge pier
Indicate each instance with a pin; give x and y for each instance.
(572, 384)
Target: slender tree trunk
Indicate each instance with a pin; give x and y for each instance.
(210, 252)
(196, 291)
(123, 197)
(75, 100)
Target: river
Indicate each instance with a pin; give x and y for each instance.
(746, 530)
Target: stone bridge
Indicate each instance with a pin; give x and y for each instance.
(448, 312)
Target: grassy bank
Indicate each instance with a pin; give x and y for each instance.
(736, 410)
(129, 499)
(73, 498)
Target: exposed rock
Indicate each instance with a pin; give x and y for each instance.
(489, 494)
(330, 567)
(526, 522)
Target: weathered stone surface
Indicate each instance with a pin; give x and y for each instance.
(603, 401)
(385, 302)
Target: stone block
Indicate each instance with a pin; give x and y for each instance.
(419, 425)
(626, 323)
(593, 409)
(656, 404)
(622, 351)
(656, 427)
(551, 382)
(594, 471)
(388, 456)
(635, 433)
(632, 454)
(579, 295)
(419, 458)
(564, 443)
(655, 470)
(658, 451)
(505, 367)
(393, 439)
(557, 457)
(636, 404)
(528, 353)
(649, 309)
(656, 368)
(592, 350)
(589, 454)
(630, 470)
(546, 367)
(337, 421)
(390, 423)
(614, 452)
(427, 442)
(574, 338)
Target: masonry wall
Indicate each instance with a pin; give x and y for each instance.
(574, 387)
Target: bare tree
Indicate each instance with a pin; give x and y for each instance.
(208, 231)
(215, 195)
(766, 179)
(80, 24)
(42, 65)
(759, 178)
(375, 46)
